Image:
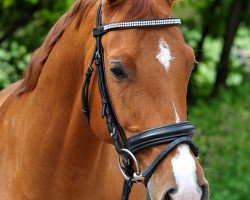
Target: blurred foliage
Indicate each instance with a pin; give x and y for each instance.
(12, 54)
(222, 127)
(222, 122)
(213, 15)
(23, 27)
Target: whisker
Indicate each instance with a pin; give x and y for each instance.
(211, 170)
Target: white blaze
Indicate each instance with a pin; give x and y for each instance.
(164, 56)
(177, 118)
(184, 171)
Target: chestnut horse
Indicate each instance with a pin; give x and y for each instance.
(49, 150)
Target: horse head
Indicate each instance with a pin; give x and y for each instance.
(147, 70)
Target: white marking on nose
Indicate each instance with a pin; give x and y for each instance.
(177, 118)
(184, 171)
(149, 190)
(164, 56)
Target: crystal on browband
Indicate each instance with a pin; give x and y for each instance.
(142, 23)
(101, 30)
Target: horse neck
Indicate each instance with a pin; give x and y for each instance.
(56, 155)
(57, 139)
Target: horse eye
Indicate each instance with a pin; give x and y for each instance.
(118, 72)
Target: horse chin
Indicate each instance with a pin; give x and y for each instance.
(148, 195)
(165, 197)
(151, 195)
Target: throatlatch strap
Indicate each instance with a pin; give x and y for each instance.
(85, 91)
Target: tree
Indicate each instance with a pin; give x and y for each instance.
(234, 18)
(19, 19)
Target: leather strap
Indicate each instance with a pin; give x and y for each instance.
(85, 89)
(127, 186)
(108, 112)
(147, 173)
(159, 135)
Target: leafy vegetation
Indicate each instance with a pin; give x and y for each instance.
(221, 121)
(12, 54)
(23, 27)
(223, 137)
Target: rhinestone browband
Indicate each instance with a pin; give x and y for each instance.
(142, 23)
(137, 24)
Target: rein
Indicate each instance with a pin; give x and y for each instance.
(173, 135)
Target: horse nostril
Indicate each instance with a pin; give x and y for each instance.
(199, 193)
(167, 197)
(169, 193)
(173, 191)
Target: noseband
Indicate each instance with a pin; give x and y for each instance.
(172, 135)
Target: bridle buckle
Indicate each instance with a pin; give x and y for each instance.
(138, 178)
(113, 132)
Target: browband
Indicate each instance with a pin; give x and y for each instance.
(146, 23)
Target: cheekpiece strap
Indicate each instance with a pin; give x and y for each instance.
(127, 186)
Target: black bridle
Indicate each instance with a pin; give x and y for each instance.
(172, 135)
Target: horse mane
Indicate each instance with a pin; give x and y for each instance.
(79, 9)
(140, 8)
